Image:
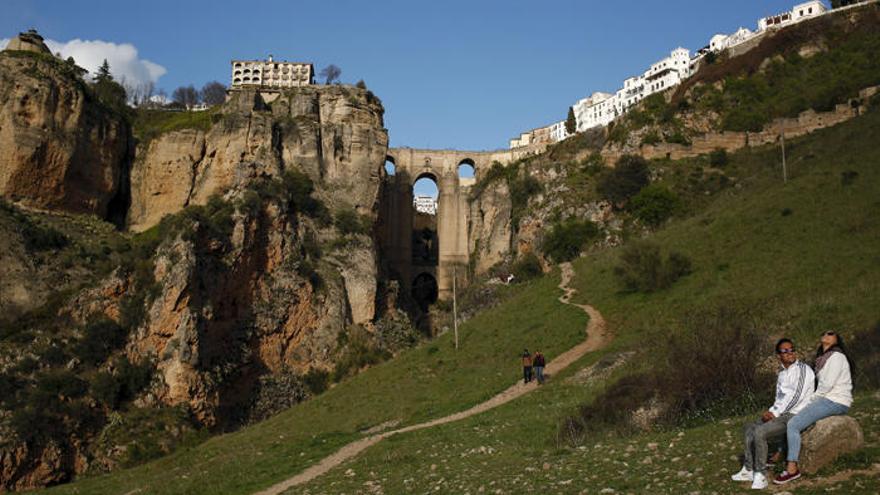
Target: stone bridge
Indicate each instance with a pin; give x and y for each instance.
(423, 251)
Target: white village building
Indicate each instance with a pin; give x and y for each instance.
(425, 204)
(558, 131)
(796, 14)
(600, 109)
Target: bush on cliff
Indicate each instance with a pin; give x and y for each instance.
(654, 204)
(527, 267)
(625, 180)
(566, 239)
(348, 222)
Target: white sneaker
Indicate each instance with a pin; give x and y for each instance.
(744, 474)
(759, 481)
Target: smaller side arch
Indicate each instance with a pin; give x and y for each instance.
(390, 166)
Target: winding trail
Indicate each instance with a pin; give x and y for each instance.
(597, 338)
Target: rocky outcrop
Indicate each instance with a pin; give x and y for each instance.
(214, 332)
(62, 150)
(828, 439)
(490, 227)
(334, 134)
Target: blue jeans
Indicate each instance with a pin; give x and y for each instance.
(818, 409)
(539, 372)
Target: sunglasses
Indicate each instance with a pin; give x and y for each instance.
(830, 334)
(785, 351)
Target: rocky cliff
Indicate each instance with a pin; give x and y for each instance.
(254, 259)
(62, 149)
(333, 134)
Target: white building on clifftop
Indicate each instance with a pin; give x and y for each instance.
(271, 74)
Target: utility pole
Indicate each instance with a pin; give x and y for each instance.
(454, 306)
(784, 169)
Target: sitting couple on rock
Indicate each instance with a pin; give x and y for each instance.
(802, 399)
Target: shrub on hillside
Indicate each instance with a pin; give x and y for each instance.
(123, 384)
(651, 138)
(643, 268)
(625, 180)
(316, 380)
(527, 267)
(707, 367)
(865, 350)
(358, 351)
(565, 240)
(718, 157)
(348, 222)
(299, 188)
(678, 137)
(99, 338)
(654, 204)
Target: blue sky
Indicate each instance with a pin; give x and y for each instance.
(452, 74)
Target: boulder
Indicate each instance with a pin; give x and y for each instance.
(828, 439)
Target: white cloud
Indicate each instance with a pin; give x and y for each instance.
(125, 64)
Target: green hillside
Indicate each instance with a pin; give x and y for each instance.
(805, 255)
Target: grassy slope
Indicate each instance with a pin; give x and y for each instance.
(430, 381)
(818, 266)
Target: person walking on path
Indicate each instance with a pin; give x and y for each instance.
(527, 366)
(538, 364)
(833, 397)
(794, 389)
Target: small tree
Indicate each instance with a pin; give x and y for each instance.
(625, 180)
(108, 91)
(718, 157)
(570, 122)
(103, 74)
(186, 96)
(654, 204)
(566, 239)
(213, 93)
(330, 73)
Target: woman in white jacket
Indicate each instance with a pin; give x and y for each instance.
(833, 397)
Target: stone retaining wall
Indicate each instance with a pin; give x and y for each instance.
(805, 123)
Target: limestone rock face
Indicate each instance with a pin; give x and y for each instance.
(490, 227)
(360, 274)
(828, 439)
(334, 134)
(162, 178)
(61, 149)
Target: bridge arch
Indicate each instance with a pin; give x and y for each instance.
(425, 290)
(467, 169)
(390, 166)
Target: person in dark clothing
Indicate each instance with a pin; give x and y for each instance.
(538, 364)
(527, 366)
